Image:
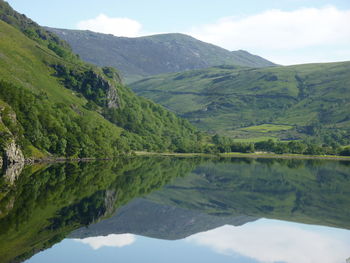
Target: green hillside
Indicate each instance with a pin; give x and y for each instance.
(51, 102)
(140, 57)
(309, 101)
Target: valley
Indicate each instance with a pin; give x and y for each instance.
(308, 102)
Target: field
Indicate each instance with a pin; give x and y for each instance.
(264, 128)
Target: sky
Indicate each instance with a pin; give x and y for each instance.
(285, 32)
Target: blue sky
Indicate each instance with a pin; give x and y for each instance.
(286, 32)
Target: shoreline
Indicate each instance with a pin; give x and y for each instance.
(32, 161)
(248, 155)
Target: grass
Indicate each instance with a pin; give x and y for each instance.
(255, 139)
(24, 64)
(264, 128)
(223, 101)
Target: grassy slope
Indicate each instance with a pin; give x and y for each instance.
(150, 55)
(25, 63)
(224, 99)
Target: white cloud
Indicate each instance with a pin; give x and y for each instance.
(117, 26)
(276, 30)
(108, 241)
(276, 242)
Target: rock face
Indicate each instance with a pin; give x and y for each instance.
(91, 83)
(12, 155)
(110, 199)
(12, 162)
(111, 91)
(12, 172)
(112, 98)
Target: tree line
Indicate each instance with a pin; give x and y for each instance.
(222, 144)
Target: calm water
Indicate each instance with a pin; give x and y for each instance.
(177, 210)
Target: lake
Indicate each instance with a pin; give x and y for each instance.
(167, 209)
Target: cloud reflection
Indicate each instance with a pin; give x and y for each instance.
(108, 241)
(278, 242)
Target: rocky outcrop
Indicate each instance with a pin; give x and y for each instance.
(12, 154)
(112, 98)
(110, 199)
(112, 94)
(98, 81)
(93, 85)
(12, 162)
(12, 172)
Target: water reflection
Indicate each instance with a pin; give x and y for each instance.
(263, 240)
(113, 204)
(111, 240)
(152, 219)
(316, 192)
(277, 241)
(44, 204)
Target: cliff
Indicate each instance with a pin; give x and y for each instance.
(10, 152)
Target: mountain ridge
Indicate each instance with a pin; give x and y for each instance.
(140, 57)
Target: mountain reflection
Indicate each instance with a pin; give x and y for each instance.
(45, 204)
(264, 240)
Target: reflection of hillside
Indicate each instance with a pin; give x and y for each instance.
(45, 203)
(158, 221)
(315, 192)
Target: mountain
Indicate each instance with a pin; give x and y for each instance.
(53, 103)
(140, 57)
(310, 101)
(158, 221)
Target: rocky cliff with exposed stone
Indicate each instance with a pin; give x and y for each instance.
(10, 152)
